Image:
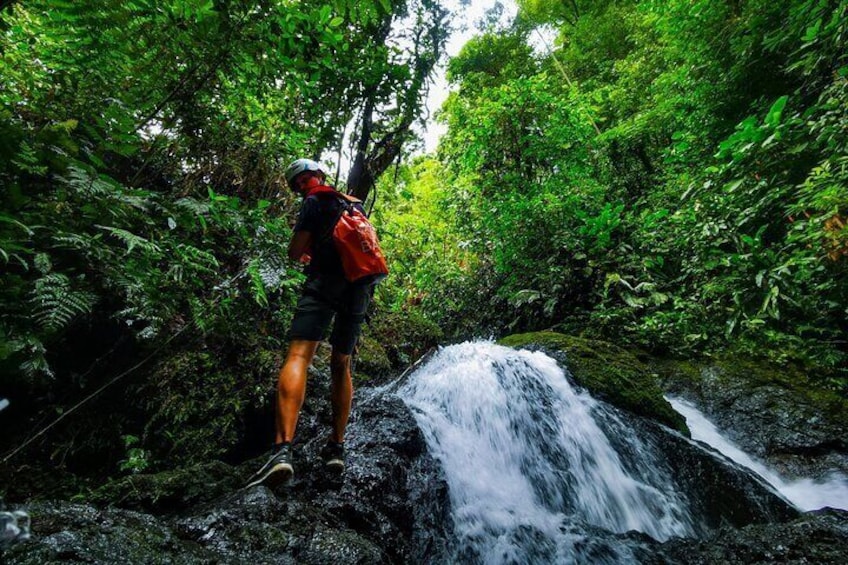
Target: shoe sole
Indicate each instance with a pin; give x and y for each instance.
(276, 475)
(335, 465)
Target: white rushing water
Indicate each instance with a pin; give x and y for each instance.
(526, 462)
(806, 494)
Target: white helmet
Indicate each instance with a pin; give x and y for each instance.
(303, 165)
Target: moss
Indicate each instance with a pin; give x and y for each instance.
(755, 373)
(734, 371)
(372, 360)
(673, 371)
(609, 373)
(169, 491)
(405, 334)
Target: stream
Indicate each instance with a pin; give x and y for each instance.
(806, 494)
(530, 468)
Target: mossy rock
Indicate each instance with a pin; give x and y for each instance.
(372, 361)
(608, 372)
(791, 417)
(811, 391)
(170, 491)
(730, 371)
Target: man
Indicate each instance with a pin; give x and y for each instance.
(326, 293)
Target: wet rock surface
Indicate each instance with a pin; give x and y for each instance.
(775, 414)
(721, 492)
(389, 506)
(819, 537)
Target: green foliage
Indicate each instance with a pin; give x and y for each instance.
(710, 211)
(196, 406)
(141, 154)
(137, 459)
(55, 303)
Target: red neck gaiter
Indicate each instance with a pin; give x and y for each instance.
(315, 186)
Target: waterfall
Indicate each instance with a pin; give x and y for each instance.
(806, 494)
(529, 462)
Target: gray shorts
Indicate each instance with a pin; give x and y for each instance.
(322, 298)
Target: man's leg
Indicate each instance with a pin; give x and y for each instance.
(291, 390)
(291, 387)
(341, 393)
(345, 334)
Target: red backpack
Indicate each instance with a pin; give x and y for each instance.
(356, 241)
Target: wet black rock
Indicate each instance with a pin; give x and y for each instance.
(819, 538)
(779, 415)
(721, 492)
(66, 532)
(389, 506)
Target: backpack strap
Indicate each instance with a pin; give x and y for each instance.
(346, 202)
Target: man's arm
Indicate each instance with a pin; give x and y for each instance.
(299, 243)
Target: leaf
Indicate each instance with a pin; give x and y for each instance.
(525, 296)
(733, 185)
(55, 303)
(10, 220)
(776, 111)
(812, 31)
(257, 284)
(130, 239)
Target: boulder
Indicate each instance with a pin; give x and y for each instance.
(607, 371)
(819, 537)
(779, 414)
(720, 492)
(390, 505)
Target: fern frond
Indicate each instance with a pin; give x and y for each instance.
(89, 246)
(197, 259)
(55, 303)
(273, 270)
(257, 284)
(196, 207)
(130, 239)
(143, 319)
(75, 241)
(140, 199)
(88, 184)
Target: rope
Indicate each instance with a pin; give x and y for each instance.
(97, 392)
(90, 396)
(567, 80)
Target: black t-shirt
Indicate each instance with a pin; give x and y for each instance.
(317, 215)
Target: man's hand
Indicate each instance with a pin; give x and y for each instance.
(299, 244)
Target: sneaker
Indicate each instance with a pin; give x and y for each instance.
(277, 470)
(333, 455)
